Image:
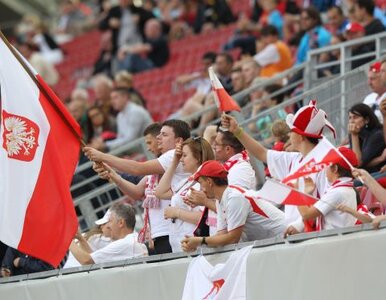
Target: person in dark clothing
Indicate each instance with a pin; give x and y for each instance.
(155, 48)
(18, 263)
(366, 137)
(364, 13)
(121, 20)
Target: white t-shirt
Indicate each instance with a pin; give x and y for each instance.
(269, 55)
(372, 99)
(234, 210)
(282, 164)
(178, 229)
(179, 176)
(121, 249)
(333, 218)
(158, 225)
(242, 174)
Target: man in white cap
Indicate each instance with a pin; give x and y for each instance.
(240, 216)
(124, 245)
(306, 130)
(92, 242)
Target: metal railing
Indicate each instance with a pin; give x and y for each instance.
(315, 66)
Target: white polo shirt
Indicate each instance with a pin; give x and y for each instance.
(234, 210)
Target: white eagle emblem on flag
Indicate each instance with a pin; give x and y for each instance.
(19, 137)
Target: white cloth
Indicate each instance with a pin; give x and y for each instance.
(222, 281)
(281, 164)
(131, 123)
(269, 55)
(333, 218)
(234, 210)
(121, 249)
(178, 228)
(128, 30)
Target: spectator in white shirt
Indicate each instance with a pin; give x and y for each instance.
(124, 245)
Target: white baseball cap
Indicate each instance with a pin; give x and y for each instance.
(105, 218)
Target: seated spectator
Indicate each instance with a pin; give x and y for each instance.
(45, 69)
(124, 79)
(332, 56)
(78, 110)
(377, 87)
(93, 240)
(152, 53)
(340, 192)
(17, 263)
(271, 16)
(223, 67)
(366, 137)
(240, 217)
(336, 20)
(364, 14)
(316, 36)
(212, 14)
(126, 22)
(102, 87)
(132, 120)
(183, 218)
(274, 56)
(124, 245)
(356, 31)
(263, 125)
(99, 125)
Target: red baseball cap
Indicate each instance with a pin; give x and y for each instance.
(350, 156)
(354, 27)
(211, 168)
(375, 67)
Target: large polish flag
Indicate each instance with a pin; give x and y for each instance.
(224, 102)
(38, 156)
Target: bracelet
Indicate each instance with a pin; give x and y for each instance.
(239, 132)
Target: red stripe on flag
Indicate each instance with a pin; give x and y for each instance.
(226, 102)
(297, 198)
(50, 220)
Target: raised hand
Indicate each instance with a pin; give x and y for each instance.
(229, 123)
(93, 154)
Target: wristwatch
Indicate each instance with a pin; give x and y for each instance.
(203, 241)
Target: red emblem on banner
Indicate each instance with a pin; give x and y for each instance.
(217, 285)
(20, 137)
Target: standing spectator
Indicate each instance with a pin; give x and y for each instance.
(132, 119)
(364, 13)
(155, 223)
(366, 137)
(152, 53)
(183, 218)
(124, 245)
(377, 87)
(275, 56)
(337, 20)
(316, 36)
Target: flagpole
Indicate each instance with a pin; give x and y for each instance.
(42, 90)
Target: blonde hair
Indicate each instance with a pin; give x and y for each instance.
(280, 130)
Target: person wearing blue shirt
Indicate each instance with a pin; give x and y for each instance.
(316, 36)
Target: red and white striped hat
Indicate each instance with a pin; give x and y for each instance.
(309, 121)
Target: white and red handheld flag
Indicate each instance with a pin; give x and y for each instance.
(282, 194)
(323, 155)
(38, 155)
(224, 102)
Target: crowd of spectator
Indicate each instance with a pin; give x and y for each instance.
(205, 187)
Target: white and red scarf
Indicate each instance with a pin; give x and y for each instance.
(235, 159)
